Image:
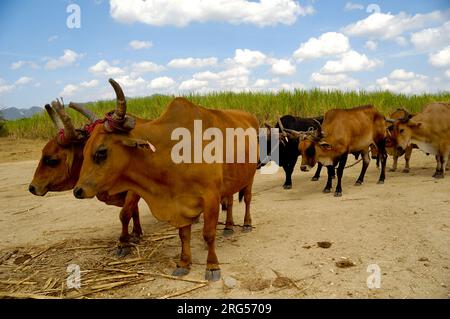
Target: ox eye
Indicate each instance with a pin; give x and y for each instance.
(100, 155)
(402, 130)
(52, 162)
(390, 128)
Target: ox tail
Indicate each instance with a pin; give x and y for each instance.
(241, 195)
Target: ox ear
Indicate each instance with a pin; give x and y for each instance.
(325, 145)
(137, 143)
(413, 124)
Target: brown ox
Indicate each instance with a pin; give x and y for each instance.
(430, 131)
(391, 147)
(120, 157)
(60, 164)
(344, 132)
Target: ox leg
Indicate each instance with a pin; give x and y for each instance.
(383, 157)
(228, 230)
(123, 248)
(340, 172)
(317, 174)
(408, 153)
(211, 216)
(137, 229)
(288, 169)
(329, 185)
(247, 199)
(394, 165)
(365, 165)
(185, 262)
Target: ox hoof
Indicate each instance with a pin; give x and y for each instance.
(406, 170)
(135, 238)
(228, 232)
(287, 186)
(314, 179)
(247, 228)
(380, 182)
(180, 271)
(358, 183)
(327, 190)
(392, 169)
(123, 251)
(212, 274)
(337, 194)
(438, 176)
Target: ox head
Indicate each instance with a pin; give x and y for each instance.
(403, 130)
(400, 114)
(109, 150)
(61, 159)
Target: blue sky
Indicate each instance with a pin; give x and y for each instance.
(183, 46)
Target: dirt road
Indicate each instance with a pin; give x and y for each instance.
(403, 227)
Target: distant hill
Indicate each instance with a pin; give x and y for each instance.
(13, 113)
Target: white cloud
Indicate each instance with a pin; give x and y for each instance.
(69, 89)
(147, 66)
(371, 45)
(335, 81)
(330, 43)
(89, 84)
(235, 78)
(68, 58)
(349, 6)
(103, 68)
(440, 58)
(390, 26)
(138, 45)
(262, 83)
(400, 74)
(447, 74)
(283, 67)
(181, 13)
(17, 65)
(401, 81)
(432, 37)
(52, 38)
(162, 82)
(350, 61)
(192, 62)
(401, 41)
(249, 58)
(23, 80)
(206, 76)
(192, 85)
(132, 85)
(4, 87)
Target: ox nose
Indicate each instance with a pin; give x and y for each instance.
(304, 168)
(32, 189)
(78, 192)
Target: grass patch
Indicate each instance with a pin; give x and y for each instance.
(299, 102)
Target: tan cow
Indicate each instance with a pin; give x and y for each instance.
(430, 131)
(121, 157)
(344, 132)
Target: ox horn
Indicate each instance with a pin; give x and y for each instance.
(69, 129)
(54, 117)
(121, 104)
(80, 107)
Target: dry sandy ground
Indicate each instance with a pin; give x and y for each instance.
(402, 226)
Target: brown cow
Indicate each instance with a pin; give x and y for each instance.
(119, 157)
(430, 131)
(344, 132)
(391, 147)
(59, 169)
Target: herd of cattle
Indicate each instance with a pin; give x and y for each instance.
(121, 158)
